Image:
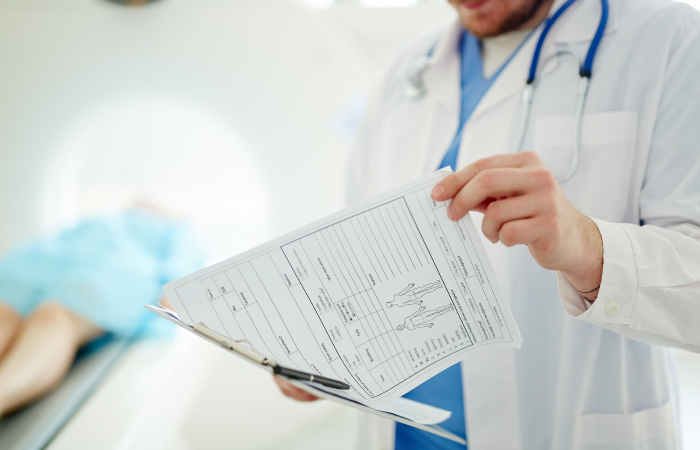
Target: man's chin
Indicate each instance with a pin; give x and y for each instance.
(491, 18)
(483, 27)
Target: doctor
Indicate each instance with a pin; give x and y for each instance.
(616, 241)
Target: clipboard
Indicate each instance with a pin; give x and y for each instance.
(335, 395)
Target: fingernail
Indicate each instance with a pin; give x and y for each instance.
(438, 192)
(450, 212)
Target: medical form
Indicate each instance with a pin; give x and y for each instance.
(382, 295)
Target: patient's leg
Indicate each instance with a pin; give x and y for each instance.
(41, 353)
(10, 323)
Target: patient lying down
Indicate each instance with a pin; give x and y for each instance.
(59, 293)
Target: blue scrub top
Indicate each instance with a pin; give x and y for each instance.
(445, 389)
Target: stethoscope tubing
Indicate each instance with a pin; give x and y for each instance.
(585, 73)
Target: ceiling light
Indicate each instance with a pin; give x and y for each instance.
(318, 4)
(388, 3)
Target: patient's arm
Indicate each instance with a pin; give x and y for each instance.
(10, 323)
(40, 353)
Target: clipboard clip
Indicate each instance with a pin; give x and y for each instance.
(235, 345)
(253, 355)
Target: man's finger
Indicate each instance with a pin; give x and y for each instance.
(448, 187)
(496, 183)
(500, 212)
(293, 391)
(523, 231)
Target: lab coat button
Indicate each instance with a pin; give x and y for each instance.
(612, 310)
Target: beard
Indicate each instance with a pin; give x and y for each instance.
(482, 26)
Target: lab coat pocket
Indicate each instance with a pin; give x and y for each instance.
(647, 429)
(606, 158)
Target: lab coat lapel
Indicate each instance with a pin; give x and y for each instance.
(512, 79)
(442, 82)
(441, 127)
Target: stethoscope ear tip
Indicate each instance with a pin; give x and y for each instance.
(414, 93)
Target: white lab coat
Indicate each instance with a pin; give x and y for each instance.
(579, 381)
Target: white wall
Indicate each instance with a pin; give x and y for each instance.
(275, 74)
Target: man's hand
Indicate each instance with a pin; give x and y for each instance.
(293, 391)
(523, 203)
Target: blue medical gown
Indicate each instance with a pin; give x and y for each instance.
(103, 269)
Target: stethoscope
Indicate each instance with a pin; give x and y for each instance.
(415, 88)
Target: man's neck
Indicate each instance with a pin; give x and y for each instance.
(497, 50)
(539, 16)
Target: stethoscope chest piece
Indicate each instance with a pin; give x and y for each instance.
(414, 87)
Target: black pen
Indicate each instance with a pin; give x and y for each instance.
(254, 356)
(304, 376)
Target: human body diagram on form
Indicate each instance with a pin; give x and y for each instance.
(423, 318)
(411, 295)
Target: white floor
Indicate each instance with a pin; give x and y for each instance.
(187, 394)
(242, 405)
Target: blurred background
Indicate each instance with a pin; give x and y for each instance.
(234, 114)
